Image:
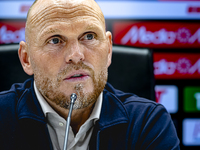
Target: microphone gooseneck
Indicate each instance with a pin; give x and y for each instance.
(73, 99)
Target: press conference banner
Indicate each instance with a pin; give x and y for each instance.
(12, 32)
(118, 9)
(157, 34)
(177, 65)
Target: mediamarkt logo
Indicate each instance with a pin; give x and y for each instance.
(176, 65)
(155, 34)
(183, 66)
(8, 36)
(161, 36)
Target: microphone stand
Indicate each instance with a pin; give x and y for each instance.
(73, 99)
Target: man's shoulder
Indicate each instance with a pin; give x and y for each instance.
(128, 98)
(145, 120)
(133, 103)
(11, 96)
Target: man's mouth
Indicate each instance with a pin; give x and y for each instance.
(77, 77)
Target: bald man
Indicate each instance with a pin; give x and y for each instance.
(68, 50)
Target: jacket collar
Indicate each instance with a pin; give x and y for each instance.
(113, 111)
(28, 105)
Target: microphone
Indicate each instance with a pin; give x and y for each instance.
(73, 99)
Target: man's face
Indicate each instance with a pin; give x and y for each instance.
(69, 51)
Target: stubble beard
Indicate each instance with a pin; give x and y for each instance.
(49, 88)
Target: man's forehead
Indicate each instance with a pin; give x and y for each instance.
(69, 2)
(45, 13)
(42, 4)
(46, 9)
(76, 28)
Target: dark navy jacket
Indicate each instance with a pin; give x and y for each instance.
(127, 122)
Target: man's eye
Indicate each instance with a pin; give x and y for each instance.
(55, 41)
(89, 36)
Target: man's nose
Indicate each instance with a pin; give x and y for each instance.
(75, 53)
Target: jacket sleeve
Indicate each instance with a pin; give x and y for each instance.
(158, 131)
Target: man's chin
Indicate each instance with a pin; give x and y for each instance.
(78, 87)
(85, 96)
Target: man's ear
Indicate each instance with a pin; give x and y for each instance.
(24, 58)
(109, 38)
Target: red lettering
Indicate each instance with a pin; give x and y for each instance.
(24, 8)
(159, 94)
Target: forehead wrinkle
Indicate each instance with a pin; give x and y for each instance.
(50, 31)
(56, 13)
(91, 27)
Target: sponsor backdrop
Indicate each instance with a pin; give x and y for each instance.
(157, 34)
(167, 95)
(12, 32)
(171, 28)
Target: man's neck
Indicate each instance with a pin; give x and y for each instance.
(79, 116)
